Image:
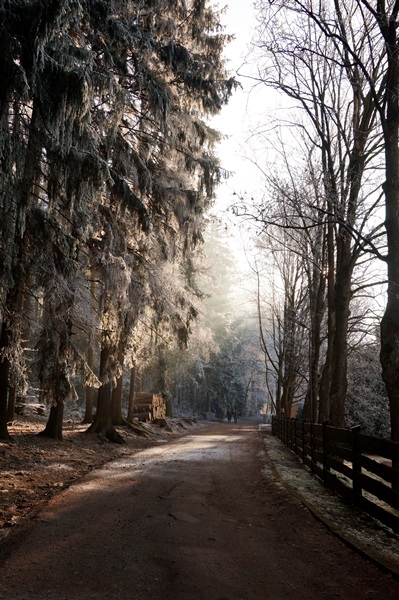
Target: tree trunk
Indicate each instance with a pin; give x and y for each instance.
(12, 396)
(25, 301)
(326, 378)
(5, 340)
(18, 251)
(23, 306)
(347, 258)
(102, 424)
(131, 393)
(317, 306)
(139, 385)
(168, 407)
(389, 354)
(88, 416)
(317, 320)
(339, 381)
(116, 397)
(53, 427)
(4, 377)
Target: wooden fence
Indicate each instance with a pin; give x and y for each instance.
(362, 469)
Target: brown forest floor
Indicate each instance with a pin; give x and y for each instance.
(34, 468)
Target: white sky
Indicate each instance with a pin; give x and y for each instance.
(234, 123)
(246, 109)
(234, 120)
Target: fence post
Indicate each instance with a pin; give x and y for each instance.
(325, 452)
(311, 447)
(395, 471)
(356, 464)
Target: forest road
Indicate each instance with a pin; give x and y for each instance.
(190, 519)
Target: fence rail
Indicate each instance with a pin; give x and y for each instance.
(363, 469)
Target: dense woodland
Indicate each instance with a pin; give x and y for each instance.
(108, 172)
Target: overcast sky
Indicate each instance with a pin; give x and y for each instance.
(234, 121)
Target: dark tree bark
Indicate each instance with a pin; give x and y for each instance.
(317, 307)
(4, 383)
(12, 397)
(24, 305)
(89, 392)
(59, 381)
(5, 341)
(339, 366)
(130, 413)
(390, 322)
(102, 424)
(88, 416)
(116, 397)
(17, 249)
(54, 425)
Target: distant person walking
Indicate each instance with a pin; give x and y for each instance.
(229, 415)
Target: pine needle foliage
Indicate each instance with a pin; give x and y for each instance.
(107, 166)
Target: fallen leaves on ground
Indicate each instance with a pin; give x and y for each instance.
(33, 468)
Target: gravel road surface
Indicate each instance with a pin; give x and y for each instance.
(190, 519)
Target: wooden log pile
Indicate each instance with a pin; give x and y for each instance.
(149, 407)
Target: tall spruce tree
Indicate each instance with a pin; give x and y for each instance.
(108, 162)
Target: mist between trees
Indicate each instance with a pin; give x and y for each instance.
(327, 222)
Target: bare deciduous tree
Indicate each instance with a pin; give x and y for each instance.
(301, 54)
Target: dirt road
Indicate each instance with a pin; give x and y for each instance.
(192, 519)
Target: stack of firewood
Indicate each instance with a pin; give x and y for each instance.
(149, 407)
